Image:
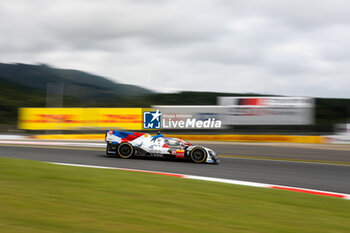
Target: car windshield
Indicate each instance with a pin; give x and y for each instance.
(172, 142)
(175, 142)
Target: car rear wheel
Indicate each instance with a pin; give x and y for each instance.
(125, 150)
(198, 155)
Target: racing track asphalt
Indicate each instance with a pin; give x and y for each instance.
(314, 152)
(327, 177)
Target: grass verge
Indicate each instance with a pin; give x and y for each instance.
(38, 197)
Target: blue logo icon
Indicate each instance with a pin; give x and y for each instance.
(152, 120)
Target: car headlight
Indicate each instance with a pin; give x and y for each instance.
(212, 154)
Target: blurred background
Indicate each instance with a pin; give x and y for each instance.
(267, 68)
(43, 99)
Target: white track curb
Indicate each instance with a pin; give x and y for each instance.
(228, 181)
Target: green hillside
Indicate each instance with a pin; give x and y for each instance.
(77, 84)
(13, 96)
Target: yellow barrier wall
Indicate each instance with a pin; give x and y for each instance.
(79, 118)
(126, 118)
(50, 118)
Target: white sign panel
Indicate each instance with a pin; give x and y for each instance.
(268, 110)
(191, 117)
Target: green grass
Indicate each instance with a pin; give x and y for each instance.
(38, 197)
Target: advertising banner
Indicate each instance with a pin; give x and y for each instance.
(268, 110)
(124, 118)
(188, 117)
(50, 118)
(80, 118)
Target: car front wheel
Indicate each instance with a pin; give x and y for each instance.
(198, 155)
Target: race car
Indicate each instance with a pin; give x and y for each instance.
(128, 144)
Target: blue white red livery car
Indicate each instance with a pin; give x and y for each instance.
(127, 144)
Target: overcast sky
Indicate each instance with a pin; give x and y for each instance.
(263, 46)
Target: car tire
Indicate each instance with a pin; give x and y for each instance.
(125, 150)
(198, 155)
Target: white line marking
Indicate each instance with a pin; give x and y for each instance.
(228, 181)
